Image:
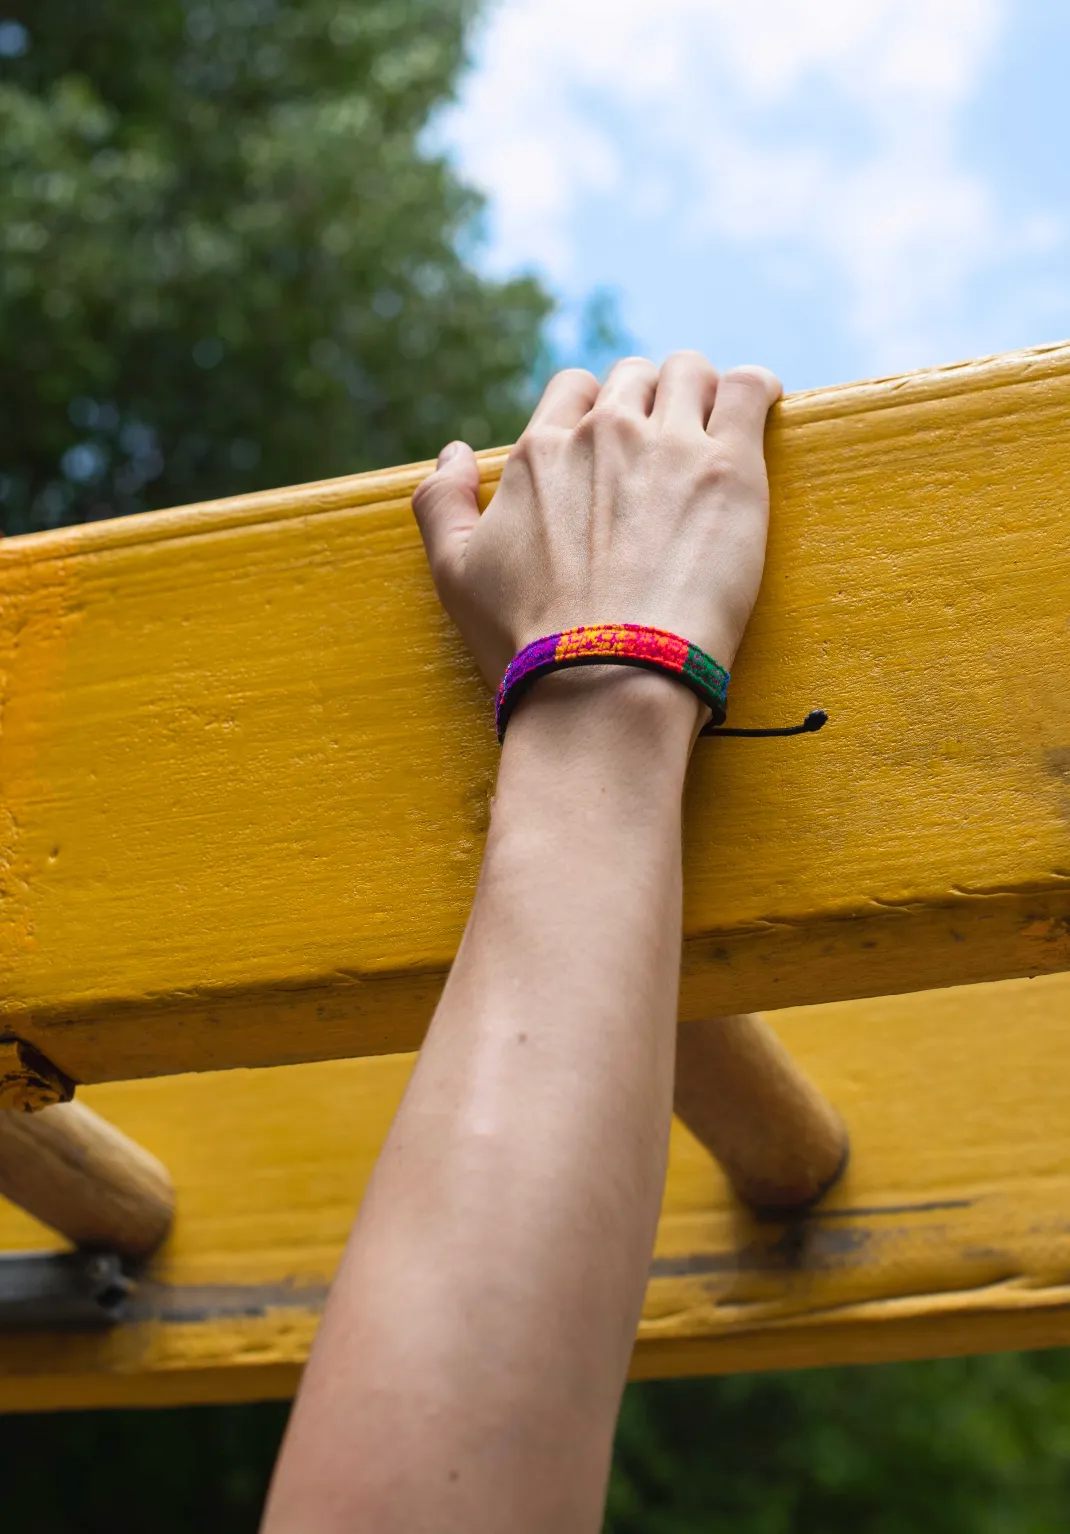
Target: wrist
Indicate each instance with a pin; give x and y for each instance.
(608, 714)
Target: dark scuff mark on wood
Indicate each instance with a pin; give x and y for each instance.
(177, 1304)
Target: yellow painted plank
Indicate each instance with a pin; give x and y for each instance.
(245, 764)
(948, 1234)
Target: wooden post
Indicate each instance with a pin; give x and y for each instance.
(740, 1093)
(71, 1169)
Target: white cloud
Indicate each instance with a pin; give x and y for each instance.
(823, 136)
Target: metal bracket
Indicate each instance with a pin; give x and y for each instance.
(62, 1291)
(28, 1080)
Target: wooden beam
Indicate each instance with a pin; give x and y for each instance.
(948, 1233)
(245, 764)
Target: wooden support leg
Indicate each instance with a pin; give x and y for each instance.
(740, 1093)
(71, 1169)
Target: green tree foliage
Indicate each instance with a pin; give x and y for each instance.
(969, 1446)
(191, 1470)
(227, 260)
(956, 1446)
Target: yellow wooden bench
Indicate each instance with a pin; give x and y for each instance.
(245, 764)
(949, 1233)
(245, 769)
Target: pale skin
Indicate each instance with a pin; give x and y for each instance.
(469, 1369)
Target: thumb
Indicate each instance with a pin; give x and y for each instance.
(446, 508)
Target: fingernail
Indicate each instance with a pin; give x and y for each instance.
(449, 451)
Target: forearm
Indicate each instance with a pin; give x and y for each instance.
(488, 1301)
(473, 1351)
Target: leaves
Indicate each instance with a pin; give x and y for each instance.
(956, 1446)
(227, 262)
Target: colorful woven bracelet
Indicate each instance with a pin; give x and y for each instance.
(614, 644)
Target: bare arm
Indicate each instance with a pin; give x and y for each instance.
(471, 1360)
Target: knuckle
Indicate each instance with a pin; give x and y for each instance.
(607, 420)
(724, 467)
(440, 540)
(688, 360)
(581, 377)
(537, 441)
(603, 414)
(539, 434)
(640, 366)
(759, 379)
(424, 494)
(428, 493)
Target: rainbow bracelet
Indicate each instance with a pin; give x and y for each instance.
(614, 644)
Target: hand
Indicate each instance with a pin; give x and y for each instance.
(644, 500)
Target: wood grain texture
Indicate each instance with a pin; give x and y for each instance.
(948, 1233)
(245, 765)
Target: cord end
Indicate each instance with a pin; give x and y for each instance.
(813, 721)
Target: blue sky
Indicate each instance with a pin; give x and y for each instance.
(837, 188)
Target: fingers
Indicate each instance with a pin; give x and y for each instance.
(447, 509)
(566, 399)
(744, 396)
(630, 387)
(686, 392)
(687, 389)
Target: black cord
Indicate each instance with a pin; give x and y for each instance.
(813, 721)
